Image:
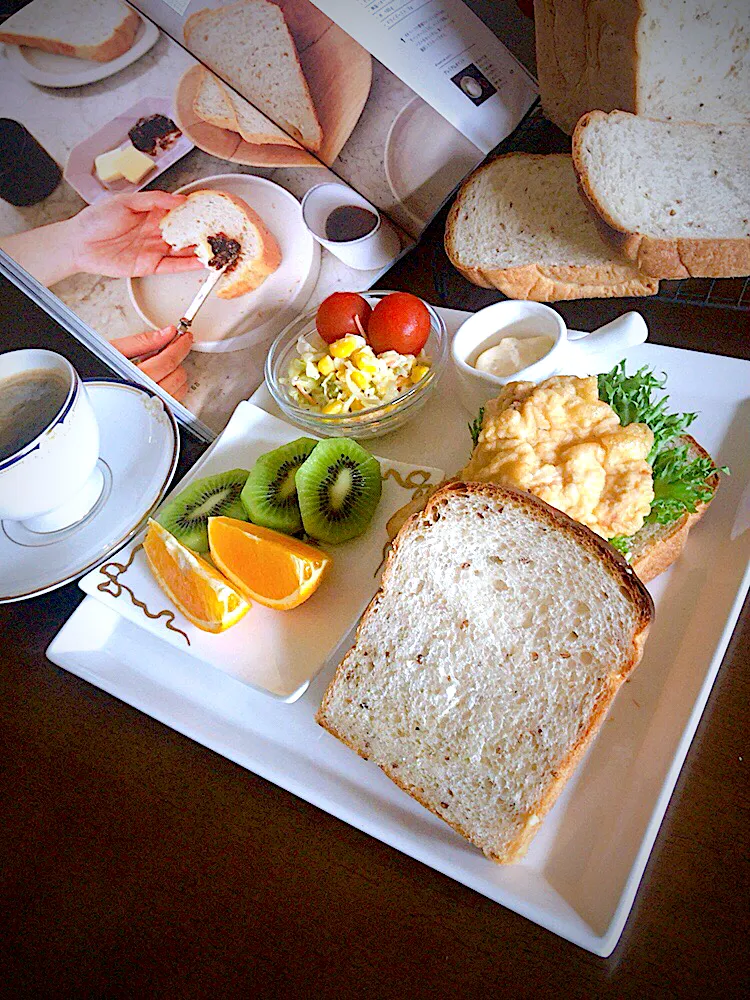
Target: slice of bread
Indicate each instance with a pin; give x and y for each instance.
(674, 197)
(656, 546)
(518, 225)
(207, 213)
(249, 45)
(100, 30)
(486, 662)
(216, 104)
(686, 61)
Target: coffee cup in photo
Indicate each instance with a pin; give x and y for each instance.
(348, 225)
(49, 442)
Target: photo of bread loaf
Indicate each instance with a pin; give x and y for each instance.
(99, 30)
(291, 63)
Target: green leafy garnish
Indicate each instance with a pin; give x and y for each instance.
(680, 484)
(632, 399)
(475, 426)
(621, 543)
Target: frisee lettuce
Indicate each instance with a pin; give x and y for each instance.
(632, 399)
(680, 483)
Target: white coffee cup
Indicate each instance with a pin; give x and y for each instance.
(376, 249)
(53, 481)
(570, 354)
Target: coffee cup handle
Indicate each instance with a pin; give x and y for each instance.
(613, 339)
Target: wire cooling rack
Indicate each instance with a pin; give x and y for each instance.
(535, 134)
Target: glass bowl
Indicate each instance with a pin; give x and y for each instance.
(373, 421)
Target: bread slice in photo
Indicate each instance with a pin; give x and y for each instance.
(100, 30)
(218, 105)
(207, 213)
(674, 197)
(519, 225)
(249, 45)
(486, 662)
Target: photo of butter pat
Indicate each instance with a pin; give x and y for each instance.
(126, 162)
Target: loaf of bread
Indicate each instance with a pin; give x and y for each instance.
(249, 45)
(218, 105)
(488, 659)
(673, 197)
(100, 30)
(211, 213)
(518, 225)
(686, 60)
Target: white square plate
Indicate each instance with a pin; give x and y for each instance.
(582, 872)
(276, 651)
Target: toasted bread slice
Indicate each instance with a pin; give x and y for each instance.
(488, 659)
(208, 213)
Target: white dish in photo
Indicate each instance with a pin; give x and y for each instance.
(47, 69)
(80, 172)
(231, 324)
(278, 652)
(425, 159)
(138, 452)
(582, 872)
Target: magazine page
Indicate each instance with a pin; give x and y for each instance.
(448, 56)
(400, 108)
(63, 114)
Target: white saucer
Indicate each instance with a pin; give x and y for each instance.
(137, 455)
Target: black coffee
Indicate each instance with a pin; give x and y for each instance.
(350, 222)
(29, 402)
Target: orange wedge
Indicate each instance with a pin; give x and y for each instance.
(204, 596)
(264, 565)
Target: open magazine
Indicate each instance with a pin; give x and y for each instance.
(344, 124)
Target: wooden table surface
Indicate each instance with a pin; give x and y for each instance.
(135, 862)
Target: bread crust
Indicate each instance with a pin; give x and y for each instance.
(629, 583)
(547, 283)
(118, 43)
(656, 257)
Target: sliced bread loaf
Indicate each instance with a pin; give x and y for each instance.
(218, 105)
(250, 46)
(100, 30)
(488, 659)
(518, 225)
(210, 213)
(686, 60)
(674, 197)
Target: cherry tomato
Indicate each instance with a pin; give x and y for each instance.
(399, 322)
(336, 315)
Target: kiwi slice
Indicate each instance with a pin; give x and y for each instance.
(186, 515)
(270, 493)
(339, 487)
